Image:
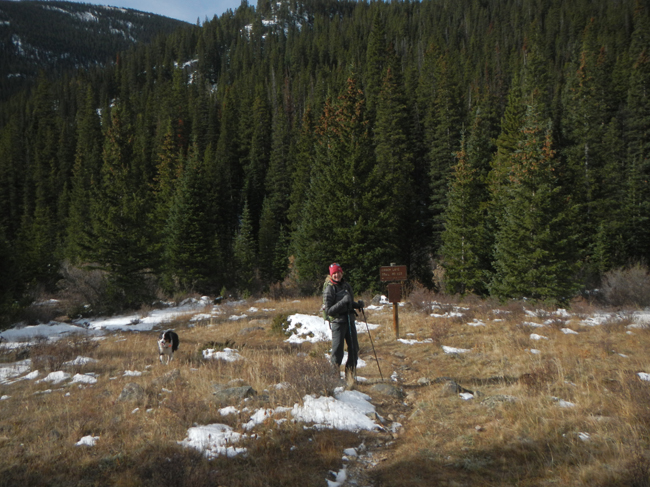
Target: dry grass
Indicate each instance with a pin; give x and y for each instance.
(514, 432)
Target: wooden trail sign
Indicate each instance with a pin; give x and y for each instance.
(394, 273)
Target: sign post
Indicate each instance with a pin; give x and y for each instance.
(394, 273)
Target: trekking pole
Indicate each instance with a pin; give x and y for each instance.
(373, 345)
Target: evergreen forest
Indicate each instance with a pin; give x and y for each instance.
(500, 148)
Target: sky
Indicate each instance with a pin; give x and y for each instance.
(187, 10)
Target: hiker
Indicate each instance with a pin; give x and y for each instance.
(338, 308)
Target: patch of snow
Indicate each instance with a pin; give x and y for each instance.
(569, 331)
(213, 440)
(12, 370)
(84, 379)
(533, 324)
(228, 410)
(87, 441)
(55, 377)
(227, 354)
(52, 330)
(329, 412)
(413, 342)
(454, 350)
(534, 336)
(81, 361)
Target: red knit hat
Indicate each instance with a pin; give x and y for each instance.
(335, 268)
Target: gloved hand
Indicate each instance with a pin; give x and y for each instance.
(360, 303)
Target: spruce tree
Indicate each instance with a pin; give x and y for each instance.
(534, 245)
(258, 158)
(85, 175)
(191, 254)
(121, 230)
(443, 124)
(38, 240)
(465, 241)
(245, 253)
(347, 212)
(395, 164)
(638, 133)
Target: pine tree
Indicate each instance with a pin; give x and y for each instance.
(85, 175)
(276, 202)
(11, 286)
(244, 253)
(375, 65)
(12, 163)
(534, 246)
(638, 108)
(121, 237)
(465, 242)
(395, 167)
(443, 125)
(191, 254)
(38, 235)
(347, 212)
(230, 169)
(258, 158)
(302, 169)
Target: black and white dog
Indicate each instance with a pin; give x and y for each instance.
(167, 345)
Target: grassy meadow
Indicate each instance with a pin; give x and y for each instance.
(573, 411)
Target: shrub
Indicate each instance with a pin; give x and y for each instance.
(627, 287)
(280, 324)
(83, 290)
(51, 356)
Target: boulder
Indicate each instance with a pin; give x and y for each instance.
(131, 392)
(388, 390)
(166, 379)
(452, 388)
(233, 394)
(494, 401)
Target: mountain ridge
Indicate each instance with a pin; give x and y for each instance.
(56, 37)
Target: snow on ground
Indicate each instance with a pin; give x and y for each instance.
(87, 441)
(227, 354)
(348, 410)
(29, 333)
(19, 335)
(10, 371)
(309, 328)
(406, 341)
(136, 322)
(213, 440)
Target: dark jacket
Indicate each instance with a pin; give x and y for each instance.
(338, 302)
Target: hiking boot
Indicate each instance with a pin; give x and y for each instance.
(350, 379)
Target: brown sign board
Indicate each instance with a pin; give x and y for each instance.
(392, 273)
(394, 293)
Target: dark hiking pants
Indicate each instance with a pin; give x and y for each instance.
(345, 332)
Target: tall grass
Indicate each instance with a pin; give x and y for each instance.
(576, 413)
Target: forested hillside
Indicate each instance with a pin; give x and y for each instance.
(504, 142)
(57, 37)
